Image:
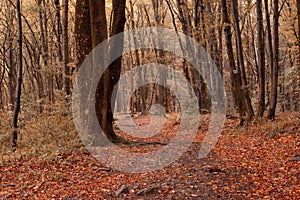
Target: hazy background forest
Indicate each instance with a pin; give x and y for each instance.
(255, 45)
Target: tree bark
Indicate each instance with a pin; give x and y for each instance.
(83, 37)
(104, 91)
(10, 64)
(235, 77)
(67, 80)
(269, 43)
(245, 89)
(59, 76)
(261, 59)
(274, 72)
(14, 135)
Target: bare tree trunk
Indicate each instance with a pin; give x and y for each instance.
(45, 49)
(261, 59)
(235, 77)
(14, 135)
(67, 80)
(11, 69)
(245, 89)
(11, 72)
(274, 71)
(143, 108)
(59, 76)
(118, 24)
(83, 36)
(269, 43)
(104, 91)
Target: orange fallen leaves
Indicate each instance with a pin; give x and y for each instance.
(245, 164)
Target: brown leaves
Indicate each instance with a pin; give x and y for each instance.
(245, 164)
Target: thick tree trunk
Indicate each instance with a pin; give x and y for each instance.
(274, 72)
(83, 35)
(118, 24)
(104, 91)
(14, 135)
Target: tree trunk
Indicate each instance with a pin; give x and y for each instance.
(45, 49)
(245, 87)
(274, 72)
(11, 72)
(14, 135)
(67, 80)
(11, 79)
(235, 77)
(83, 35)
(59, 76)
(104, 91)
(261, 59)
(269, 43)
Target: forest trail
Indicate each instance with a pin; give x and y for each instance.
(258, 161)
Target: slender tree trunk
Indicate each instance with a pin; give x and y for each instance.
(67, 80)
(245, 88)
(59, 76)
(14, 135)
(269, 43)
(235, 77)
(275, 67)
(144, 111)
(45, 49)
(261, 59)
(11, 72)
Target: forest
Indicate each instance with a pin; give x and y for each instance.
(157, 99)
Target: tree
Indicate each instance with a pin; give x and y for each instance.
(245, 88)
(19, 80)
(105, 112)
(274, 69)
(236, 83)
(59, 76)
(95, 11)
(261, 59)
(83, 36)
(67, 80)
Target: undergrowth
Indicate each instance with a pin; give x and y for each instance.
(48, 134)
(53, 132)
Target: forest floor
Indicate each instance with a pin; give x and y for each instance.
(259, 161)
